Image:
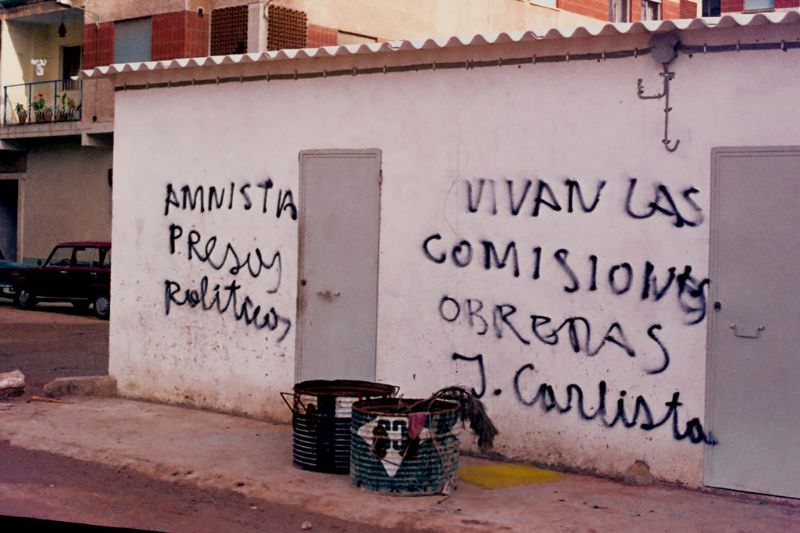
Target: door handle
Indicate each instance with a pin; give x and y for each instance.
(744, 334)
(328, 295)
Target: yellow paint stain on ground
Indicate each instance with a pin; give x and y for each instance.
(504, 475)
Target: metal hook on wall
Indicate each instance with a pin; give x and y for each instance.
(664, 50)
(667, 77)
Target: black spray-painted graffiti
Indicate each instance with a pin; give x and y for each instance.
(534, 198)
(252, 262)
(222, 299)
(664, 204)
(574, 332)
(204, 198)
(226, 296)
(573, 273)
(640, 415)
(520, 193)
(620, 278)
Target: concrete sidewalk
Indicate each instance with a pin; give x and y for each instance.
(254, 458)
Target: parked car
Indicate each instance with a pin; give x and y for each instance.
(8, 269)
(75, 272)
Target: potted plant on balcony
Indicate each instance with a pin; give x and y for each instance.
(69, 107)
(22, 113)
(61, 112)
(43, 112)
(47, 114)
(67, 110)
(37, 105)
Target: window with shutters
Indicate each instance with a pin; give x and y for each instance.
(229, 31)
(651, 9)
(286, 28)
(752, 5)
(711, 8)
(132, 40)
(618, 11)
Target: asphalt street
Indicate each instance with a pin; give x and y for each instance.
(53, 340)
(58, 341)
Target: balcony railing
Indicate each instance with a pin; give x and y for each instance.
(15, 3)
(42, 102)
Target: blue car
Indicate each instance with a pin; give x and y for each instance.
(7, 270)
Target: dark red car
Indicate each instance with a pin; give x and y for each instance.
(75, 272)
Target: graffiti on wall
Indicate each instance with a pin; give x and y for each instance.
(571, 273)
(229, 272)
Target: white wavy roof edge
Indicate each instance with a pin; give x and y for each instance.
(593, 30)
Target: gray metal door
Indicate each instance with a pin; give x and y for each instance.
(753, 393)
(338, 283)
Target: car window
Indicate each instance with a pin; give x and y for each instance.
(86, 257)
(105, 258)
(61, 256)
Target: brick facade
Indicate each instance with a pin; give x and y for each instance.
(180, 34)
(731, 6)
(197, 32)
(671, 10)
(688, 10)
(321, 36)
(168, 36)
(591, 8)
(98, 44)
(636, 10)
(599, 9)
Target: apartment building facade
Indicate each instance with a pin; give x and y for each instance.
(56, 134)
(631, 10)
(716, 8)
(644, 10)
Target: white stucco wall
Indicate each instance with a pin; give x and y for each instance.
(438, 131)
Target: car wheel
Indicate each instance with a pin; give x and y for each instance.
(25, 299)
(102, 306)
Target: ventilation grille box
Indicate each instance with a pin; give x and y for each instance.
(286, 28)
(229, 31)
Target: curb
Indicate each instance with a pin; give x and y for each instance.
(103, 386)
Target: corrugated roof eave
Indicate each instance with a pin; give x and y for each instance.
(587, 31)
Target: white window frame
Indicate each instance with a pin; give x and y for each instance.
(625, 8)
(655, 5)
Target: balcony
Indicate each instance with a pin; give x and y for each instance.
(42, 102)
(15, 3)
